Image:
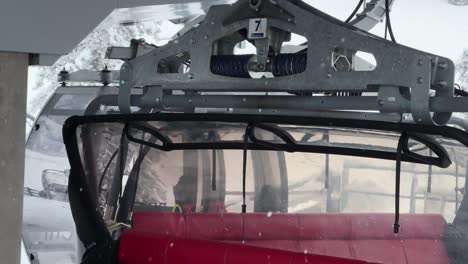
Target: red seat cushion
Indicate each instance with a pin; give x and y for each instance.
(425, 251)
(380, 251)
(213, 226)
(337, 248)
(324, 226)
(290, 245)
(134, 248)
(137, 247)
(380, 226)
(200, 252)
(271, 227)
(167, 224)
(367, 237)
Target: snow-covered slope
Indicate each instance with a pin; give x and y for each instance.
(89, 54)
(462, 70)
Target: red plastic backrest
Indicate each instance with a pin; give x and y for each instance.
(239, 227)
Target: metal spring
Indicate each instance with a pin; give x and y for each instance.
(231, 65)
(237, 65)
(289, 64)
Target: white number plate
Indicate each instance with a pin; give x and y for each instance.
(258, 28)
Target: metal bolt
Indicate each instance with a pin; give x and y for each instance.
(192, 41)
(443, 65)
(329, 75)
(260, 66)
(205, 37)
(442, 84)
(244, 99)
(420, 62)
(255, 4)
(190, 76)
(380, 102)
(158, 100)
(420, 80)
(260, 110)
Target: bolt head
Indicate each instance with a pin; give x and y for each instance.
(443, 65)
(255, 4)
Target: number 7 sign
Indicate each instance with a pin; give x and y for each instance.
(258, 28)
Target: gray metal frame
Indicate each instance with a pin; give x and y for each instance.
(405, 80)
(397, 66)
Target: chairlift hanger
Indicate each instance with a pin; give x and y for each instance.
(401, 82)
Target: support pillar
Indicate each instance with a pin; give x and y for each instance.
(13, 90)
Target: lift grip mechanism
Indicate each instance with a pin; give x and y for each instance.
(200, 69)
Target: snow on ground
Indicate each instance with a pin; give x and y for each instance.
(89, 54)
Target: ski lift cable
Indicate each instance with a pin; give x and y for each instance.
(353, 14)
(388, 23)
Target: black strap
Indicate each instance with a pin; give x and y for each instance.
(212, 137)
(106, 169)
(401, 144)
(213, 173)
(248, 131)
